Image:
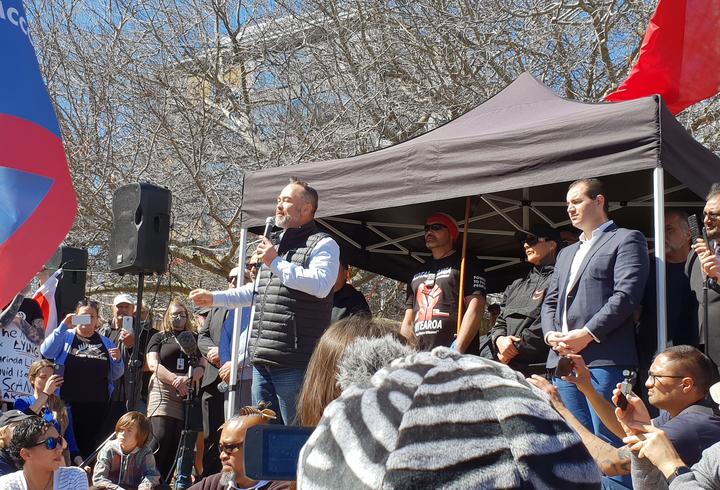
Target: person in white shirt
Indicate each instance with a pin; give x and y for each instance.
(293, 305)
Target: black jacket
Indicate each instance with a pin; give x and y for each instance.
(520, 316)
(348, 301)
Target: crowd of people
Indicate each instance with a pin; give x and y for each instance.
(544, 399)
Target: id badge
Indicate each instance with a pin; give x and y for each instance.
(180, 364)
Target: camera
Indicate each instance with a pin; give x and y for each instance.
(272, 451)
(626, 388)
(564, 367)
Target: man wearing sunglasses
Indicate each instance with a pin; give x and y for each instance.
(704, 263)
(517, 338)
(433, 293)
(232, 456)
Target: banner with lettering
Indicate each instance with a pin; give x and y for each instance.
(19, 348)
(37, 199)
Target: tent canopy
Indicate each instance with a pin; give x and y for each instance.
(515, 154)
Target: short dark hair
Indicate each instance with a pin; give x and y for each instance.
(593, 188)
(680, 214)
(26, 435)
(714, 191)
(693, 364)
(310, 194)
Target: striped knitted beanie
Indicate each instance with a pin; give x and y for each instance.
(440, 419)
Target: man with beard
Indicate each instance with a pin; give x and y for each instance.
(704, 263)
(294, 298)
(434, 291)
(517, 337)
(232, 455)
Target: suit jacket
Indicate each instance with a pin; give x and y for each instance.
(604, 296)
(209, 336)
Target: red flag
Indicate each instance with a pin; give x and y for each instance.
(679, 57)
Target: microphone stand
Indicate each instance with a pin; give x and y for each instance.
(134, 364)
(185, 455)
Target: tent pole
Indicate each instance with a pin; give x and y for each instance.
(234, 361)
(461, 299)
(659, 208)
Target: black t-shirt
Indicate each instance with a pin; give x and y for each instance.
(348, 301)
(433, 296)
(87, 371)
(171, 356)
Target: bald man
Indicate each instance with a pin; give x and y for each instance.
(232, 455)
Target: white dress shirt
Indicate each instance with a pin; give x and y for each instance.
(318, 279)
(585, 246)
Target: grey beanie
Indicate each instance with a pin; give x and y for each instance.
(440, 419)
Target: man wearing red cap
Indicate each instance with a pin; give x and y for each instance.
(433, 292)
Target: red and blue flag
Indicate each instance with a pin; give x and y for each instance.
(37, 199)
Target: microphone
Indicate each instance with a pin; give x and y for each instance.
(188, 346)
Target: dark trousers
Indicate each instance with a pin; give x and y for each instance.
(213, 418)
(88, 422)
(167, 431)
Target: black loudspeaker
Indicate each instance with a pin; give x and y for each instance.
(141, 229)
(71, 287)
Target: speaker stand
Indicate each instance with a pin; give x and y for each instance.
(135, 365)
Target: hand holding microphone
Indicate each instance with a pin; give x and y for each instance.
(265, 251)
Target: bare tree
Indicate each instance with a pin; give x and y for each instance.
(192, 94)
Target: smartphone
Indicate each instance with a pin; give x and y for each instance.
(626, 388)
(81, 320)
(564, 367)
(272, 451)
(127, 324)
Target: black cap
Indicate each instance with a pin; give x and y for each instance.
(12, 416)
(540, 231)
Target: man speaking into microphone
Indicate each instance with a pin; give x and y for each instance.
(293, 305)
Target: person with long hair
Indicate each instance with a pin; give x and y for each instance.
(320, 386)
(38, 449)
(46, 404)
(89, 364)
(170, 383)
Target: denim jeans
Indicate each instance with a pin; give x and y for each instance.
(604, 380)
(280, 387)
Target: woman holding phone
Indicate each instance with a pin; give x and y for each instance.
(46, 404)
(89, 363)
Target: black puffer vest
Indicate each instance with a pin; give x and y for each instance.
(288, 322)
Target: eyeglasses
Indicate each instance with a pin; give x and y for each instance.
(51, 442)
(434, 227)
(533, 240)
(653, 376)
(178, 315)
(89, 302)
(711, 216)
(229, 448)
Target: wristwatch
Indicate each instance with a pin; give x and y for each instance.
(680, 470)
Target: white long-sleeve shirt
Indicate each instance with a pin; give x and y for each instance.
(317, 279)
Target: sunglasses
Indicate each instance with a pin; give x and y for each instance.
(51, 442)
(88, 302)
(533, 240)
(229, 448)
(434, 227)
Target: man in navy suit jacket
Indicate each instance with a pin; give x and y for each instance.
(594, 293)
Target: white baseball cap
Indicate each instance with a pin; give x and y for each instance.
(715, 392)
(123, 298)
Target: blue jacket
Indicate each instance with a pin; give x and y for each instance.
(57, 346)
(607, 291)
(24, 403)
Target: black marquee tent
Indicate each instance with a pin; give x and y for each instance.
(515, 154)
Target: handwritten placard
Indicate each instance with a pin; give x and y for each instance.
(17, 353)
